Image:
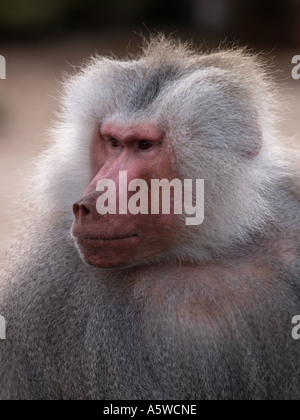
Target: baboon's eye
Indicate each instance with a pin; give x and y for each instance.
(145, 145)
(115, 143)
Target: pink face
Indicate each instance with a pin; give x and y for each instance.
(122, 240)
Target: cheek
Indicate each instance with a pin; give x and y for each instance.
(159, 232)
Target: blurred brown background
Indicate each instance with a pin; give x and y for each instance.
(42, 39)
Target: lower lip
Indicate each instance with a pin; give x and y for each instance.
(97, 242)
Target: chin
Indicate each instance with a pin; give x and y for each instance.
(107, 256)
(105, 264)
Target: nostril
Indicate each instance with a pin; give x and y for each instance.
(85, 211)
(80, 210)
(76, 209)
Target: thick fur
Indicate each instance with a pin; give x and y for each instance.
(212, 318)
(217, 108)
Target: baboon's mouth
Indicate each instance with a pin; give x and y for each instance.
(86, 240)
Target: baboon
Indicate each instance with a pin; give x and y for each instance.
(122, 306)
